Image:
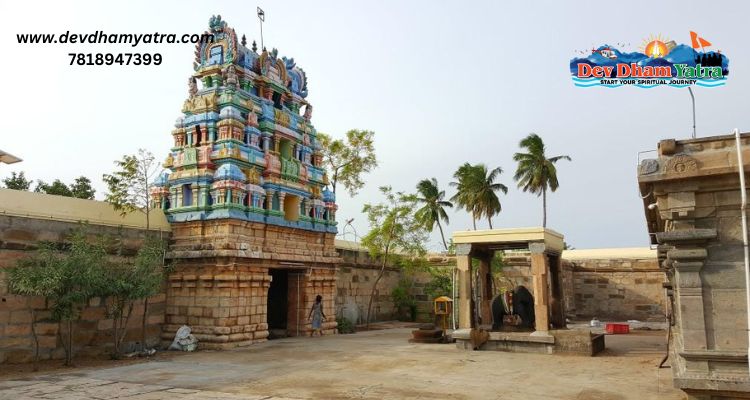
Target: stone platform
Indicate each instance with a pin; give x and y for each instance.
(562, 341)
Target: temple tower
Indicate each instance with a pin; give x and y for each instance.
(252, 220)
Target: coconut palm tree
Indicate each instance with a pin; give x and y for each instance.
(476, 191)
(536, 173)
(465, 184)
(486, 192)
(433, 210)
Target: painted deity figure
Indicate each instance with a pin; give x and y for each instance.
(192, 87)
(231, 76)
(252, 119)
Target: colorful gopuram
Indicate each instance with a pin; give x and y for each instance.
(253, 223)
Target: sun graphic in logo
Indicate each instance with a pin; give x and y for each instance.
(656, 46)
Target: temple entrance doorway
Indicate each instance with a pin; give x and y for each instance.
(278, 304)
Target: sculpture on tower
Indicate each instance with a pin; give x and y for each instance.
(244, 148)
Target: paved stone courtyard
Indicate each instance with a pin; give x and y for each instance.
(367, 365)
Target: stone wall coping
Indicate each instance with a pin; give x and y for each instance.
(621, 253)
(49, 207)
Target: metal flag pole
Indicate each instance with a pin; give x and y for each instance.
(262, 18)
(693, 98)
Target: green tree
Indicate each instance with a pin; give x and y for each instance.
(433, 209)
(129, 190)
(477, 191)
(57, 188)
(66, 279)
(466, 183)
(129, 185)
(17, 181)
(394, 233)
(441, 282)
(486, 192)
(348, 159)
(536, 173)
(81, 188)
(128, 281)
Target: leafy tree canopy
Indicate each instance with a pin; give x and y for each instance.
(348, 159)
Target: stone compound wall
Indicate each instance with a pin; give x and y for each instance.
(93, 336)
(356, 275)
(617, 288)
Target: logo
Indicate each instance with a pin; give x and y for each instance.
(658, 62)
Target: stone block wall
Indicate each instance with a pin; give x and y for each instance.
(618, 289)
(220, 285)
(19, 237)
(355, 277)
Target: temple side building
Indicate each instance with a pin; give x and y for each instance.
(252, 220)
(692, 202)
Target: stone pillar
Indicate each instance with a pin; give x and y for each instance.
(540, 272)
(463, 264)
(266, 143)
(282, 195)
(308, 207)
(269, 199)
(687, 257)
(484, 290)
(194, 194)
(203, 194)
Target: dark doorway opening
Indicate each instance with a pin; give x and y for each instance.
(277, 304)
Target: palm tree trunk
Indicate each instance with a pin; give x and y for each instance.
(544, 208)
(490, 221)
(474, 220)
(442, 235)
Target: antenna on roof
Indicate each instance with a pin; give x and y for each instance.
(262, 18)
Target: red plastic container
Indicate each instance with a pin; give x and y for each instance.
(616, 329)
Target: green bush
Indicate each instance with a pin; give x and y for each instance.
(441, 283)
(344, 325)
(403, 300)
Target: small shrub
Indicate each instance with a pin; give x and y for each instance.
(344, 325)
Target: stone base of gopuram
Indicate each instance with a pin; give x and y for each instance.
(228, 275)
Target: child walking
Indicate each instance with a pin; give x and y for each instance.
(317, 316)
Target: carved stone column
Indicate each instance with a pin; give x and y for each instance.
(463, 264)
(282, 195)
(687, 257)
(269, 199)
(540, 271)
(485, 290)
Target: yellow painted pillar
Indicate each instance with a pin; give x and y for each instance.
(463, 265)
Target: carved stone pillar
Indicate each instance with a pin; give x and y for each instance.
(485, 290)
(282, 195)
(686, 257)
(194, 194)
(540, 271)
(269, 199)
(463, 264)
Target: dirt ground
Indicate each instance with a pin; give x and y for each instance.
(374, 364)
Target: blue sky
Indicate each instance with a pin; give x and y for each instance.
(441, 83)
